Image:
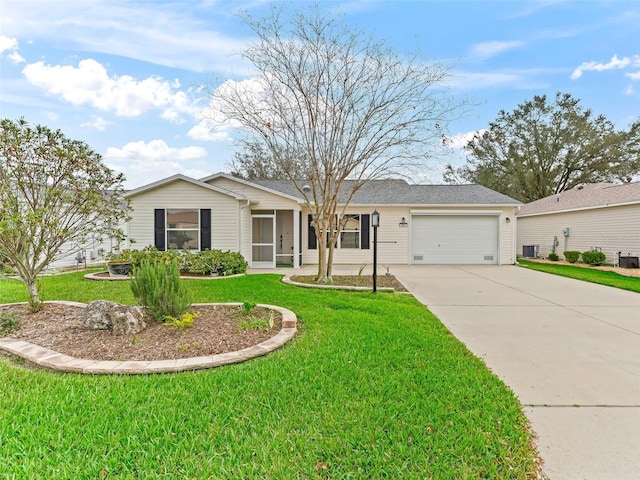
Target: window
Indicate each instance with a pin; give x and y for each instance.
(183, 229)
(354, 234)
(350, 235)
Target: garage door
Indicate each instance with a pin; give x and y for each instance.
(454, 239)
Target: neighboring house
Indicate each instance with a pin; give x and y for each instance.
(600, 216)
(268, 222)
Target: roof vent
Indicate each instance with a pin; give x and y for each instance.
(306, 187)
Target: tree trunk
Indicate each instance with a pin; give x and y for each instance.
(34, 297)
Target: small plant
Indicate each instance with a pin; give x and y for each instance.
(8, 323)
(361, 269)
(135, 341)
(257, 323)
(571, 256)
(183, 348)
(553, 257)
(247, 307)
(158, 288)
(183, 322)
(593, 258)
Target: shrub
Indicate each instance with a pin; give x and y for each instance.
(206, 262)
(185, 321)
(8, 323)
(158, 288)
(593, 258)
(554, 257)
(571, 256)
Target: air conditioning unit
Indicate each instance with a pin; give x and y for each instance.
(530, 251)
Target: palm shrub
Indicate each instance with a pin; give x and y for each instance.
(571, 256)
(157, 287)
(593, 258)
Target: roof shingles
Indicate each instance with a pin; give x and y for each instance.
(587, 196)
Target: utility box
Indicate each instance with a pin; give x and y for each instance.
(530, 251)
(628, 261)
(566, 231)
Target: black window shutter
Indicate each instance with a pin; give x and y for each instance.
(159, 232)
(205, 229)
(364, 231)
(312, 242)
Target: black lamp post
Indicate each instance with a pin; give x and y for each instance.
(375, 223)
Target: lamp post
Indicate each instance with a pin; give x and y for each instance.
(375, 223)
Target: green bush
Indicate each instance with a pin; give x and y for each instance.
(206, 262)
(8, 323)
(554, 257)
(571, 256)
(158, 288)
(593, 258)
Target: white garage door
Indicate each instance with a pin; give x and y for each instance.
(455, 239)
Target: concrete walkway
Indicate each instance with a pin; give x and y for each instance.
(570, 351)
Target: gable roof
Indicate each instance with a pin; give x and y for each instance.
(399, 192)
(283, 192)
(180, 177)
(594, 195)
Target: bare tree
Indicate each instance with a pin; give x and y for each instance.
(52, 190)
(335, 105)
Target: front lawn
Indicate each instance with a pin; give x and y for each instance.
(587, 274)
(373, 387)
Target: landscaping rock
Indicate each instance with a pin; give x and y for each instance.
(120, 319)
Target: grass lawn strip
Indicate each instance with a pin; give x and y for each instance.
(374, 387)
(602, 277)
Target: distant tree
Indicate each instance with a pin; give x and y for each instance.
(338, 106)
(544, 148)
(255, 162)
(52, 190)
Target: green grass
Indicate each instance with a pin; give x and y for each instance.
(611, 279)
(373, 387)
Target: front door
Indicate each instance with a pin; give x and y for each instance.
(263, 241)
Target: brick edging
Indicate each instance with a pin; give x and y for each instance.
(47, 358)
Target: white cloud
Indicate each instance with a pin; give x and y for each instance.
(491, 49)
(10, 45)
(630, 90)
(171, 34)
(90, 84)
(614, 63)
(148, 162)
(633, 76)
(98, 123)
(459, 140)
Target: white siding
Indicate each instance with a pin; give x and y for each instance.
(265, 200)
(611, 229)
(394, 240)
(180, 194)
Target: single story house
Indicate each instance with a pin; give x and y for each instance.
(268, 222)
(599, 216)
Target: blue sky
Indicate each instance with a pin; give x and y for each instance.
(128, 77)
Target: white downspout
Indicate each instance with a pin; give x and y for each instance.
(240, 225)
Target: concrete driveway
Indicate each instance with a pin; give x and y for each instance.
(570, 351)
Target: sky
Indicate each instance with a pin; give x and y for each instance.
(133, 79)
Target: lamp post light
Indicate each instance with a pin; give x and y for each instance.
(375, 223)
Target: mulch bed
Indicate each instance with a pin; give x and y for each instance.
(217, 329)
(383, 281)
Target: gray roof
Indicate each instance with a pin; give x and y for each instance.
(585, 196)
(400, 192)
